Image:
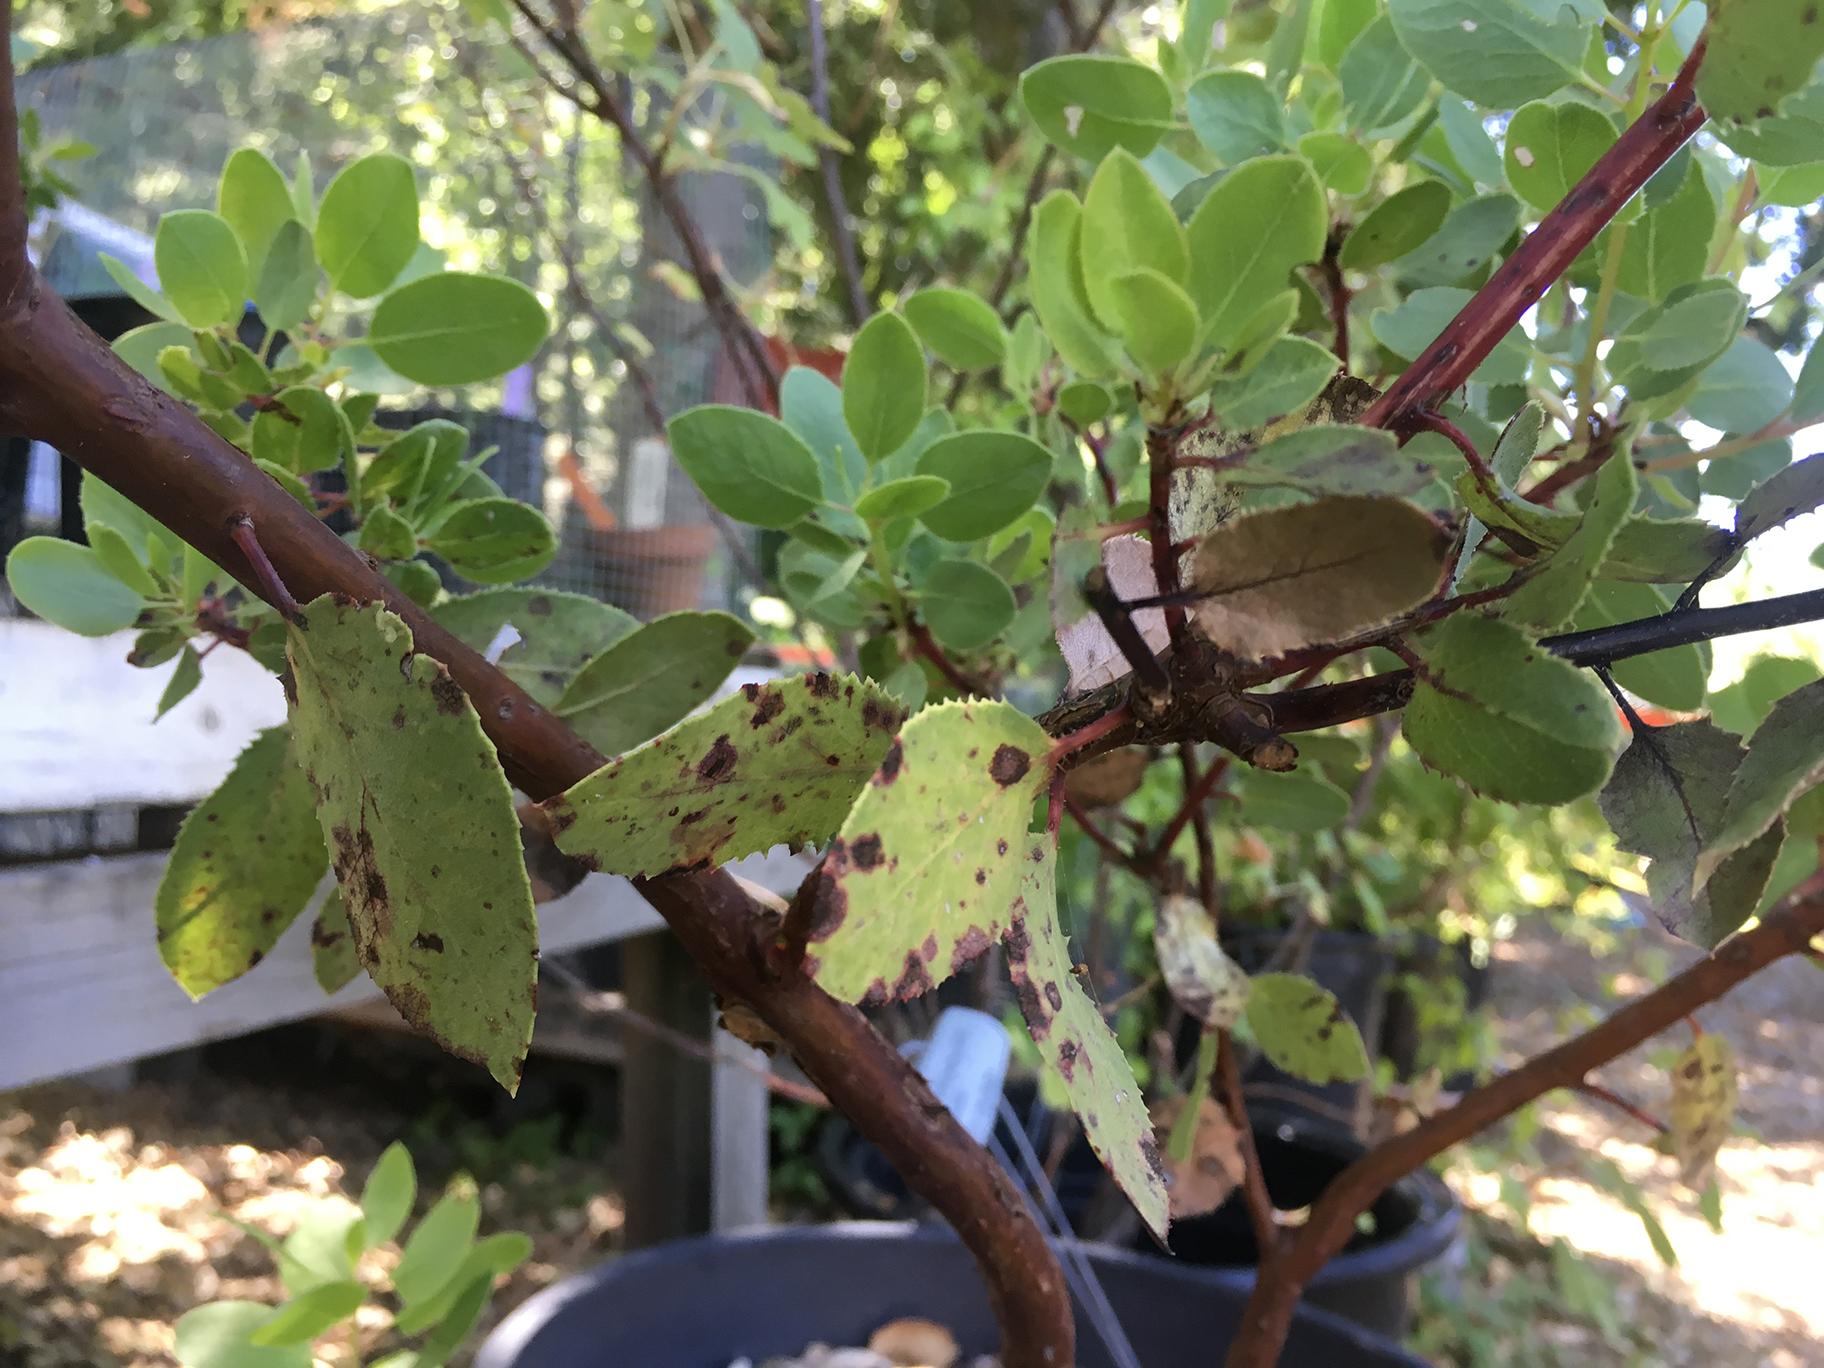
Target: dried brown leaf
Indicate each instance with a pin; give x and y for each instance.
(1214, 1167)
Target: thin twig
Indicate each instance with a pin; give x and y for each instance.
(833, 199)
(1253, 1178)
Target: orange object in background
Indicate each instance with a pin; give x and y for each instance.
(598, 514)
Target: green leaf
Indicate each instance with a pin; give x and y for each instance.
(1808, 395)
(1335, 459)
(457, 329)
(1743, 390)
(929, 862)
(1303, 1030)
(1790, 493)
(1341, 163)
(217, 1335)
(119, 560)
(137, 290)
(1702, 1113)
(1281, 579)
(1198, 31)
(494, 541)
(1236, 115)
(1158, 320)
(313, 1313)
(246, 860)
(1669, 244)
(488, 1260)
(387, 1198)
(1670, 342)
(651, 678)
(1788, 139)
(367, 227)
(1551, 146)
(1076, 1042)
(1415, 322)
(1290, 375)
(1396, 226)
(1665, 801)
(387, 536)
(1799, 187)
(1507, 717)
(1785, 759)
(883, 385)
(1676, 678)
(1745, 704)
(1128, 225)
(776, 764)
(1201, 978)
(1264, 218)
(994, 478)
(1472, 235)
(1759, 52)
(1090, 105)
(965, 604)
(285, 286)
(750, 466)
(1467, 141)
(254, 200)
(319, 1248)
(1059, 296)
(1557, 588)
(558, 633)
(1495, 53)
(183, 682)
(442, 911)
(959, 327)
(1381, 84)
(1297, 801)
(302, 430)
(332, 945)
(437, 1248)
(905, 498)
(201, 267)
(68, 585)
(1084, 402)
(810, 405)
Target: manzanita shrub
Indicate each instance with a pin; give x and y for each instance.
(1183, 472)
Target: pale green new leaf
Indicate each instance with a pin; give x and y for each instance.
(1303, 1030)
(216, 1335)
(1290, 375)
(246, 860)
(256, 202)
(883, 385)
(1264, 218)
(438, 1247)
(925, 871)
(1551, 597)
(1128, 225)
(452, 328)
(959, 327)
(442, 911)
(1055, 282)
(286, 284)
(1785, 760)
(1157, 319)
(1550, 146)
(1075, 1040)
(387, 1198)
(310, 1314)
(367, 224)
(1506, 716)
(1090, 105)
(201, 267)
(776, 764)
(651, 677)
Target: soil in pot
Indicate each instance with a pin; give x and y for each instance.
(709, 1302)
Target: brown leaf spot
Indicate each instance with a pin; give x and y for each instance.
(1067, 1059)
(446, 692)
(768, 704)
(538, 606)
(928, 951)
(889, 765)
(866, 850)
(820, 685)
(399, 718)
(718, 763)
(428, 940)
(1054, 996)
(914, 979)
(973, 942)
(1009, 765)
(876, 715)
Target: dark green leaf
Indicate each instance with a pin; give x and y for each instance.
(1302, 1029)
(1551, 597)
(905, 498)
(1675, 678)
(883, 385)
(1796, 490)
(1785, 759)
(750, 466)
(994, 478)
(1236, 115)
(1335, 460)
(557, 633)
(1743, 390)
(965, 604)
(1396, 226)
(652, 677)
(494, 541)
(286, 286)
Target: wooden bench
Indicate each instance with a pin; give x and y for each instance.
(87, 783)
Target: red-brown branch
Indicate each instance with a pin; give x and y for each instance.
(1546, 254)
(1253, 1177)
(15, 270)
(926, 645)
(1784, 931)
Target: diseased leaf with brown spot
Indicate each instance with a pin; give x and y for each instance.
(1201, 978)
(246, 861)
(1703, 1105)
(332, 945)
(1286, 578)
(1665, 800)
(1214, 1167)
(774, 764)
(1068, 1028)
(921, 877)
(421, 831)
(1303, 1029)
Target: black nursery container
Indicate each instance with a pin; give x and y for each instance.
(705, 1303)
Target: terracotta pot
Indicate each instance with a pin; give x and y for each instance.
(651, 571)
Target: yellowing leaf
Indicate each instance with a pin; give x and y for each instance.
(1214, 1167)
(421, 830)
(1068, 1028)
(1303, 1029)
(1286, 578)
(775, 764)
(1201, 978)
(1703, 1105)
(923, 875)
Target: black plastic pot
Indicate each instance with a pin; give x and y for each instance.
(704, 1303)
(1438, 969)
